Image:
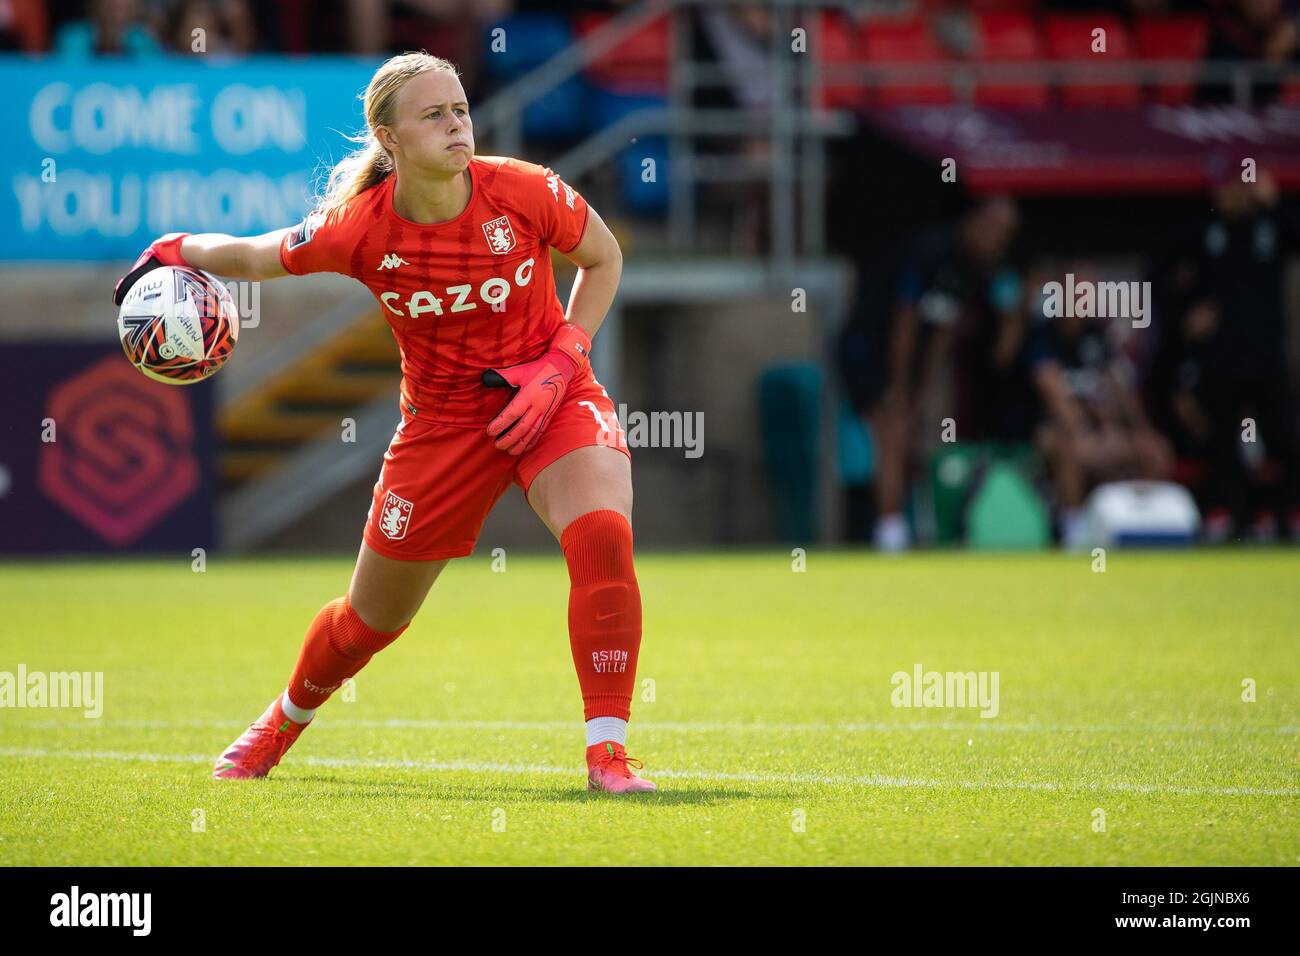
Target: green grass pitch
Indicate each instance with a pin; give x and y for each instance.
(771, 732)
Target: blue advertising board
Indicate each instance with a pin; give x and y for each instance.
(106, 155)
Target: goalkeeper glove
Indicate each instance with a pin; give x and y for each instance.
(539, 388)
(164, 251)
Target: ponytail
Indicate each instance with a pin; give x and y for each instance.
(355, 173)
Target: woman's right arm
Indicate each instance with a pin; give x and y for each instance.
(254, 257)
(235, 257)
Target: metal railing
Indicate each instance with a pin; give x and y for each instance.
(964, 78)
(794, 124)
(795, 171)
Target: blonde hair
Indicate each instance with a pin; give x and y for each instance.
(372, 163)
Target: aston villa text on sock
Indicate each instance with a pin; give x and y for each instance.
(609, 662)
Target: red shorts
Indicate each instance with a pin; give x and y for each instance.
(438, 481)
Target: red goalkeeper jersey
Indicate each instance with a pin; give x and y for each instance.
(472, 293)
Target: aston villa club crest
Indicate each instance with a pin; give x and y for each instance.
(394, 517)
(500, 237)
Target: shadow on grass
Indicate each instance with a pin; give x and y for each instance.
(673, 795)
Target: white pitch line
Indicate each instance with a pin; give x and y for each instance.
(709, 727)
(868, 780)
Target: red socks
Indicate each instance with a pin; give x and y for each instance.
(604, 611)
(604, 625)
(337, 646)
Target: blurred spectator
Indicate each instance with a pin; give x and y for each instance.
(992, 398)
(453, 29)
(1257, 30)
(1130, 8)
(1179, 400)
(111, 28)
(570, 6)
(1223, 352)
(1094, 427)
(956, 306)
(226, 25)
(23, 26)
(738, 39)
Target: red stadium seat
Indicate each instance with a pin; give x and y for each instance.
(1001, 6)
(887, 41)
(975, 6)
(1181, 38)
(840, 44)
(1069, 38)
(295, 37)
(1009, 38)
(639, 64)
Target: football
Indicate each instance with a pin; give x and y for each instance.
(178, 325)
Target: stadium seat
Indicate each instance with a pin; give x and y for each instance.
(638, 194)
(1069, 38)
(293, 20)
(1008, 37)
(907, 40)
(637, 65)
(1180, 38)
(530, 40)
(840, 45)
(1018, 6)
(930, 7)
(606, 109)
(561, 114)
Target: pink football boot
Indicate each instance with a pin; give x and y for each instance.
(260, 747)
(609, 769)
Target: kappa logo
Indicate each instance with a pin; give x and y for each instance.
(500, 236)
(394, 517)
(555, 183)
(392, 261)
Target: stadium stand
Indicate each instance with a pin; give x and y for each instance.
(737, 172)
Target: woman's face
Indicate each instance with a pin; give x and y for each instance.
(432, 131)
